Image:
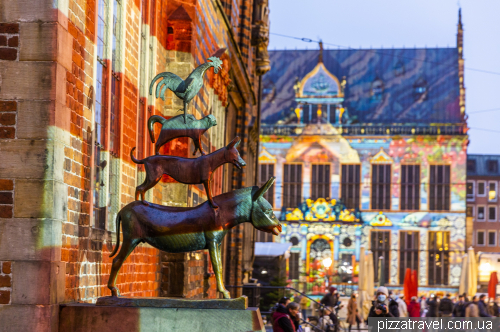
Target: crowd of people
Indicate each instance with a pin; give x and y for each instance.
(389, 304)
(290, 316)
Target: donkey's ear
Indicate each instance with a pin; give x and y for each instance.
(234, 143)
(262, 190)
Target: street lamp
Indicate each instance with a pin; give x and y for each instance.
(327, 262)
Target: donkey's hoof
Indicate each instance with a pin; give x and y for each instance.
(145, 203)
(115, 291)
(226, 294)
(214, 206)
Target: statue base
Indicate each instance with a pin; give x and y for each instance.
(240, 303)
(158, 314)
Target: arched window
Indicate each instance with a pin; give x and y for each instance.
(377, 90)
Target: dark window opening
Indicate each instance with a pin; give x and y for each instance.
(381, 187)
(380, 246)
(266, 172)
(320, 181)
(292, 185)
(409, 244)
(439, 188)
(410, 187)
(471, 166)
(439, 257)
(351, 185)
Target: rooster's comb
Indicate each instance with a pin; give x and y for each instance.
(216, 61)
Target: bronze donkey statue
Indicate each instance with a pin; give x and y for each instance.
(187, 170)
(175, 128)
(184, 229)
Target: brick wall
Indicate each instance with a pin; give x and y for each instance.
(5, 282)
(9, 41)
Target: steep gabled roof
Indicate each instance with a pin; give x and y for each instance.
(418, 85)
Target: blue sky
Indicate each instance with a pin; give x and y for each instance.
(409, 23)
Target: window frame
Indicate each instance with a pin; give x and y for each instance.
(429, 186)
(376, 257)
(405, 250)
(496, 213)
(484, 183)
(476, 238)
(484, 213)
(472, 210)
(351, 184)
(388, 184)
(271, 192)
(284, 184)
(445, 272)
(329, 186)
(491, 162)
(496, 191)
(471, 198)
(488, 238)
(418, 186)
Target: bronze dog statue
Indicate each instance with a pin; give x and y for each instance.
(175, 128)
(183, 229)
(187, 170)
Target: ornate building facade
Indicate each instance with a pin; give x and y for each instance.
(74, 101)
(369, 149)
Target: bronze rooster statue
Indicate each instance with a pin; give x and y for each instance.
(189, 88)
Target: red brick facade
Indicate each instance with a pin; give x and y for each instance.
(74, 101)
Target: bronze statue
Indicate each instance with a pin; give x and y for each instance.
(187, 170)
(183, 229)
(188, 89)
(175, 128)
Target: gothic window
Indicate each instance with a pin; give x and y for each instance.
(100, 179)
(350, 185)
(320, 181)
(115, 88)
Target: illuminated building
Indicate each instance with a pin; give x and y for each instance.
(369, 149)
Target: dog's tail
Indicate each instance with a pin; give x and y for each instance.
(133, 158)
(151, 123)
(118, 219)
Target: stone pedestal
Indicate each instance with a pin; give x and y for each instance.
(157, 314)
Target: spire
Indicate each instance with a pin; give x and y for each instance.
(320, 58)
(460, 34)
(460, 27)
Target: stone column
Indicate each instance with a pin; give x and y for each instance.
(34, 128)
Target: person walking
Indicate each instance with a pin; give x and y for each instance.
(472, 309)
(432, 306)
(459, 308)
(483, 307)
(352, 312)
(445, 307)
(414, 307)
(393, 305)
(403, 309)
(423, 306)
(281, 320)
